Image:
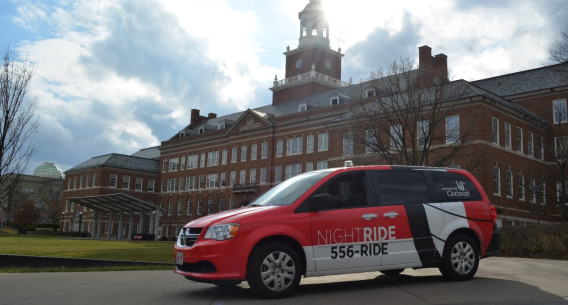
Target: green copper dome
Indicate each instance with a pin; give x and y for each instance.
(48, 169)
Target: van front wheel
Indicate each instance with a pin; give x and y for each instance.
(460, 258)
(274, 270)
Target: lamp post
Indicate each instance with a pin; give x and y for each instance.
(62, 229)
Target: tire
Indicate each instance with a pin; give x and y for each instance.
(392, 272)
(274, 270)
(460, 259)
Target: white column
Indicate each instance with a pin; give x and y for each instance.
(120, 225)
(151, 227)
(157, 224)
(109, 225)
(130, 223)
(141, 223)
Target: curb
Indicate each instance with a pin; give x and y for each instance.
(7, 261)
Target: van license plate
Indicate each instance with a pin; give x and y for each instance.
(179, 258)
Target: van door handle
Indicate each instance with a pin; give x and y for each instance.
(369, 216)
(391, 215)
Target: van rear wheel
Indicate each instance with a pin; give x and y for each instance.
(274, 270)
(460, 258)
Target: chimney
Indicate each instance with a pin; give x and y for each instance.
(195, 117)
(425, 57)
(433, 68)
(211, 115)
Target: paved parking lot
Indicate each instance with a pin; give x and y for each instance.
(498, 281)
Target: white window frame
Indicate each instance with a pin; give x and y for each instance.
(310, 144)
(496, 181)
(530, 143)
(509, 184)
(253, 152)
(348, 144)
(519, 139)
(294, 146)
(323, 141)
(507, 131)
(559, 111)
(452, 129)
(521, 186)
(264, 150)
(279, 148)
(495, 130)
(244, 151)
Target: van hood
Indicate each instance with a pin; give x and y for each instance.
(228, 216)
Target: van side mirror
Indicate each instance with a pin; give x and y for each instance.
(320, 202)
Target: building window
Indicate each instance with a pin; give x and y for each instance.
(371, 141)
(201, 181)
(519, 139)
(233, 178)
(294, 146)
(264, 150)
(252, 176)
(560, 111)
(279, 148)
(221, 205)
(212, 180)
(323, 141)
(263, 175)
(302, 107)
(334, 100)
(150, 187)
(179, 208)
(533, 190)
(542, 191)
(278, 174)
(309, 167)
(210, 204)
(138, 185)
(213, 158)
(452, 129)
(293, 170)
(200, 207)
(370, 92)
(223, 181)
(88, 181)
(165, 166)
(189, 208)
(310, 144)
(507, 130)
(112, 182)
(530, 144)
(174, 164)
(172, 185)
(182, 163)
(540, 148)
(322, 164)
(182, 183)
(495, 130)
(224, 157)
(521, 178)
(244, 150)
(81, 182)
(75, 183)
(253, 152)
(192, 161)
(234, 155)
(202, 160)
(243, 176)
(164, 185)
(496, 181)
(170, 209)
(348, 144)
(509, 184)
(561, 147)
(396, 137)
(190, 183)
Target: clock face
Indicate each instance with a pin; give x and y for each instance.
(299, 63)
(327, 63)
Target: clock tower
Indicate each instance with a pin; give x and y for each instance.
(313, 67)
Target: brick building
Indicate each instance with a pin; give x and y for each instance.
(222, 162)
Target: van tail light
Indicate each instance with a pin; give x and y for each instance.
(493, 213)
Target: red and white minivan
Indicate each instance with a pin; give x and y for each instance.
(344, 220)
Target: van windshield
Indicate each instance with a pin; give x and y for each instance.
(290, 190)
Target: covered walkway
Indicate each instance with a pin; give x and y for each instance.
(118, 205)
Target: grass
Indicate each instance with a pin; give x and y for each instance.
(58, 246)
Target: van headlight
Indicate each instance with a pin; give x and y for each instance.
(222, 232)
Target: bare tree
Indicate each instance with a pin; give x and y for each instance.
(559, 49)
(407, 116)
(52, 204)
(18, 125)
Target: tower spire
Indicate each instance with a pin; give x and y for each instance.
(314, 27)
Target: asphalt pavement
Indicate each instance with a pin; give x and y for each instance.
(498, 281)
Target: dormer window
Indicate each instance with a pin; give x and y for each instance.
(303, 107)
(182, 134)
(221, 125)
(201, 130)
(334, 100)
(250, 121)
(370, 92)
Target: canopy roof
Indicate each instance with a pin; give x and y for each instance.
(115, 203)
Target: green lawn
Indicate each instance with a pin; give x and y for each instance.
(57, 246)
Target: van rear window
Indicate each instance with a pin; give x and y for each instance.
(452, 187)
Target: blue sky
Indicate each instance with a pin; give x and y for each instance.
(121, 75)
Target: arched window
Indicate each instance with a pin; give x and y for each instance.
(325, 32)
(304, 32)
(314, 32)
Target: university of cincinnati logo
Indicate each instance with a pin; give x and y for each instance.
(460, 185)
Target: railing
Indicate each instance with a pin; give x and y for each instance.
(310, 75)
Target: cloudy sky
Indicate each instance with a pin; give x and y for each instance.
(121, 75)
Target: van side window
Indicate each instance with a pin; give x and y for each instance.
(452, 187)
(406, 187)
(347, 190)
